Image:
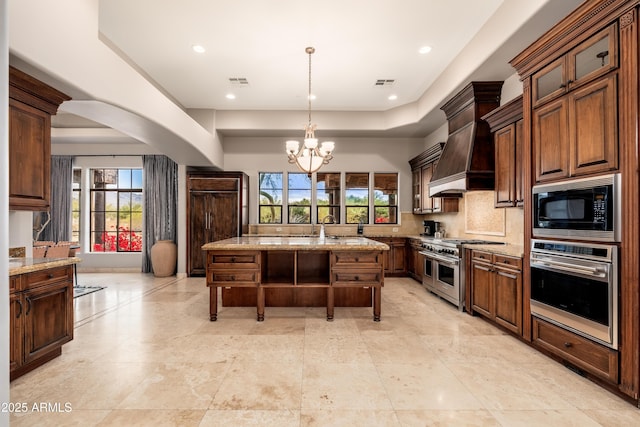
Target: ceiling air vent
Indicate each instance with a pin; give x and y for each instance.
(239, 81)
(384, 82)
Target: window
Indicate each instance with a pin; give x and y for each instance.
(299, 198)
(75, 204)
(385, 198)
(351, 197)
(357, 198)
(328, 196)
(270, 189)
(116, 210)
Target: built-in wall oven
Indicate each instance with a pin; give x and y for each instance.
(575, 286)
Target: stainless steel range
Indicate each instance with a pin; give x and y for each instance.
(444, 272)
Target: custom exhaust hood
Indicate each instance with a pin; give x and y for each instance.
(467, 160)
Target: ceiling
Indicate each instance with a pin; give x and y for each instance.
(357, 42)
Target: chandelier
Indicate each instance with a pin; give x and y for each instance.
(309, 157)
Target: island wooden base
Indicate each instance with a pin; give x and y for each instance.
(329, 297)
(295, 278)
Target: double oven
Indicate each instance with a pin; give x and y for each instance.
(574, 256)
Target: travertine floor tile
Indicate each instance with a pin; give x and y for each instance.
(145, 353)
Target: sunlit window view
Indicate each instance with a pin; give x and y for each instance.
(116, 210)
(75, 204)
(357, 198)
(385, 198)
(270, 189)
(299, 198)
(328, 196)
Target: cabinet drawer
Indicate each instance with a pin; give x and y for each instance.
(231, 277)
(507, 261)
(14, 284)
(356, 278)
(581, 352)
(214, 184)
(356, 259)
(46, 277)
(477, 255)
(242, 260)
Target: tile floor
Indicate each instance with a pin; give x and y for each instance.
(145, 353)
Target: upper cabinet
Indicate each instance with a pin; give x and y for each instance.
(596, 56)
(506, 126)
(31, 105)
(575, 113)
(422, 168)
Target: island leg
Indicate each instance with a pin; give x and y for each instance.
(260, 304)
(330, 304)
(213, 303)
(377, 290)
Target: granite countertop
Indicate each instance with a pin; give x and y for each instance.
(260, 243)
(29, 265)
(506, 249)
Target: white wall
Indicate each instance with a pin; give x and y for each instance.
(4, 209)
(253, 155)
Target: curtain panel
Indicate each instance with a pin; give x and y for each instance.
(59, 226)
(160, 185)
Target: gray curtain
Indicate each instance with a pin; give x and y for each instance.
(59, 228)
(160, 183)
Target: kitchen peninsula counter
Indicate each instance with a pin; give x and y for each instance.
(295, 272)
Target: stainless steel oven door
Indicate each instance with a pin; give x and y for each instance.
(427, 270)
(446, 279)
(578, 294)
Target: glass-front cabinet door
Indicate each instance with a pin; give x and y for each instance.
(592, 58)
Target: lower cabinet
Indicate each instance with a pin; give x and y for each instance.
(41, 317)
(414, 259)
(496, 288)
(395, 258)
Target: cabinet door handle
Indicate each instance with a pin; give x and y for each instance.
(357, 278)
(568, 344)
(28, 306)
(19, 311)
(50, 276)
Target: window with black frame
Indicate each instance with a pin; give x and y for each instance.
(270, 200)
(328, 191)
(299, 198)
(356, 198)
(385, 198)
(116, 210)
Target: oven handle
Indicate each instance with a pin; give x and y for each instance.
(572, 268)
(442, 259)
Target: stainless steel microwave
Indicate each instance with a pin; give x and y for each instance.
(580, 209)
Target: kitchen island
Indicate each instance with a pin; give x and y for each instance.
(295, 272)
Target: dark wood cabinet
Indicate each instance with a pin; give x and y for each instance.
(507, 125)
(587, 355)
(394, 259)
(594, 118)
(575, 118)
(496, 289)
(41, 317)
(422, 168)
(217, 209)
(414, 259)
(31, 104)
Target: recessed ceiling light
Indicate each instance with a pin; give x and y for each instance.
(393, 97)
(425, 49)
(230, 96)
(198, 48)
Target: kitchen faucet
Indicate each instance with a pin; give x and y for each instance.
(333, 220)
